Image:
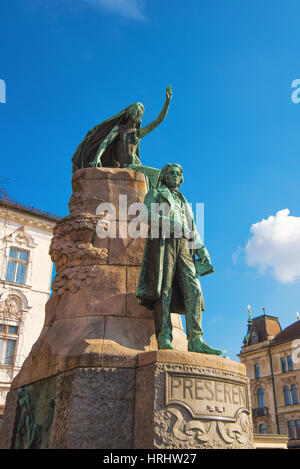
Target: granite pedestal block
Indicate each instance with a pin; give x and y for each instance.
(186, 400)
(161, 399)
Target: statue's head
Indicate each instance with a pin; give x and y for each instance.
(171, 175)
(136, 112)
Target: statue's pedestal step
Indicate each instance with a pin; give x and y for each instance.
(161, 399)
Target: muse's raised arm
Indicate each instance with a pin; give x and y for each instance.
(148, 128)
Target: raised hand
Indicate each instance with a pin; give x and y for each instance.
(169, 93)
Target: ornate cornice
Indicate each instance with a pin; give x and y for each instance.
(23, 219)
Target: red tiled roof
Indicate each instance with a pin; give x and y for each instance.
(289, 333)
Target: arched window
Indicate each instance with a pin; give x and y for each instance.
(261, 398)
(294, 392)
(287, 395)
(262, 429)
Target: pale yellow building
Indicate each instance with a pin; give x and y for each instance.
(25, 279)
(272, 359)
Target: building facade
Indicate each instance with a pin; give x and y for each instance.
(272, 359)
(25, 280)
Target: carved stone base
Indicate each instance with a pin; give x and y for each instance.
(81, 408)
(164, 399)
(187, 400)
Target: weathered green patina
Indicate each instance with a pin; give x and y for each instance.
(36, 407)
(115, 142)
(168, 280)
(28, 432)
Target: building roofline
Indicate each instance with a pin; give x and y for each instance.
(266, 316)
(288, 335)
(18, 207)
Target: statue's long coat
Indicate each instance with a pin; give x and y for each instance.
(150, 279)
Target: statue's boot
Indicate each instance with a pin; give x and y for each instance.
(198, 345)
(165, 344)
(165, 339)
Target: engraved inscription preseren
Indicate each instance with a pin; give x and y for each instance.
(207, 397)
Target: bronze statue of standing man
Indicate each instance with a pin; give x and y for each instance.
(168, 280)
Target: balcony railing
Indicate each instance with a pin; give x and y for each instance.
(5, 200)
(260, 411)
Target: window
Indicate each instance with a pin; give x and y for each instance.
(256, 371)
(294, 429)
(294, 393)
(254, 337)
(262, 429)
(261, 398)
(287, 395)
(8, 340)
(283, 365)
(16, 266)
(297, 422)
(286, 364)
(290, 394)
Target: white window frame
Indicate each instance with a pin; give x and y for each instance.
(17, 262)
(22, 240)
(6, 336)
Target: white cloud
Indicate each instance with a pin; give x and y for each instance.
(275, 246)
(127, 8)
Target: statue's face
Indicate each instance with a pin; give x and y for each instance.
(173, 177)
(136, 112)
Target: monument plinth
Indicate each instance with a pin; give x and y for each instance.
(188, 400)
(95, 378)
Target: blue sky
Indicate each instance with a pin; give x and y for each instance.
(232, 124)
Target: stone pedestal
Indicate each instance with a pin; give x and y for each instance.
(186, 400)
(94, 378)
(165, 400)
